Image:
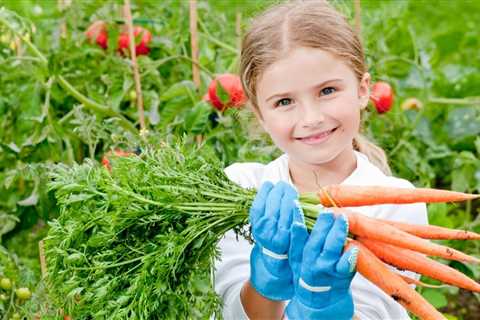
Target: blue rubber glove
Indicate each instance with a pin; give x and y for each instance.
(322, 274)
(271, 216)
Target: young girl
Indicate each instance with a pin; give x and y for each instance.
(303, 70)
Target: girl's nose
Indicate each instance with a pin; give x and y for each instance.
(311, 115)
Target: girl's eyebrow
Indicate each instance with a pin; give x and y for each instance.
(314, 87)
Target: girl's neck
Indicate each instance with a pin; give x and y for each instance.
(309, 178)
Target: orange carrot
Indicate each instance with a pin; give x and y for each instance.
(370, 228)
(433, 232)
(409, 260)
(392, 284)
(420, 283)
(354, 196)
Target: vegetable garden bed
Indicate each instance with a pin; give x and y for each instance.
(64, 99)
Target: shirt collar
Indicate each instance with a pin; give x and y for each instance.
(277, 170)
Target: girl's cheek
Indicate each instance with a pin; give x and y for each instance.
(280, 125)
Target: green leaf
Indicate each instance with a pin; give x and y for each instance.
(32, 200)
(79, 197)
(222, 93)
(182, 88)
(462, 123)
(7, 223)
(461, 179)
(196, 120)
(152, 102)
(438, 215)
(477, 145)
(463, 268)
(435, 297)
(12, 146)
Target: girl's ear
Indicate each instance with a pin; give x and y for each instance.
(364, 90)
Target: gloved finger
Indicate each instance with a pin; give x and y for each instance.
(258, 206)
(274, 200)
(280, 241)
(336, 238)
(298, 213)
(264, 230)
(316, 241)
(348, 262)
(287, 207)
(298, 238)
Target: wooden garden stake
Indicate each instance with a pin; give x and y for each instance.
(238, 31)
(43, 263)
(194, 45)
(194, 42)
(136, 74)
(62, 5)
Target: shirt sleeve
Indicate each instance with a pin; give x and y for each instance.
(371, 303)
(232, 270)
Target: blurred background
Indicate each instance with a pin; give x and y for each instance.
(67, 92)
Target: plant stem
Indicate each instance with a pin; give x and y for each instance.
(219, 43)
(88, 103)
(117, 264)
(95, 106)
(199, 208)
(136, 196)
(460, 101)
(208, 35)
(219, 196)
(158, 63)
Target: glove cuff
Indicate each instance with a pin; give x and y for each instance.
(270, 286)
(343, 309)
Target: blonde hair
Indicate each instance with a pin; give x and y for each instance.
(312, 24)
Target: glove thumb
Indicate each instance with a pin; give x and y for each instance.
(347, 263)
(298, 238)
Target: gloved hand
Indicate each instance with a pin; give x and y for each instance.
(271, 216)
(322, 274)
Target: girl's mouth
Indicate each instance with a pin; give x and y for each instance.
(317, 138)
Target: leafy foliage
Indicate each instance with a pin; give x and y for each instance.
(139, 241)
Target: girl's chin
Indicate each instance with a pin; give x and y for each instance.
(317, 157)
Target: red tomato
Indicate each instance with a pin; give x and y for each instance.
(229, 95)
(97, 32)
(382, 96)
(118, 152)
(206, 97)
(140, 48)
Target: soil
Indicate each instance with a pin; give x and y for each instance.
(464, 306)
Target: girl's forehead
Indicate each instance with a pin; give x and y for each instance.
(303, 67)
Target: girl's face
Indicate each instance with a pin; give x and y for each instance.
(309, 102)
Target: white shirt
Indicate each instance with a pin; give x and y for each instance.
(233, 266)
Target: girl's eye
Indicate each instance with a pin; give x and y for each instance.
(283, 102)
(328, 90)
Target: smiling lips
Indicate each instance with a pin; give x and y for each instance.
(317, 138)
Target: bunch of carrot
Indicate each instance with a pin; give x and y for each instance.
(401, 245)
